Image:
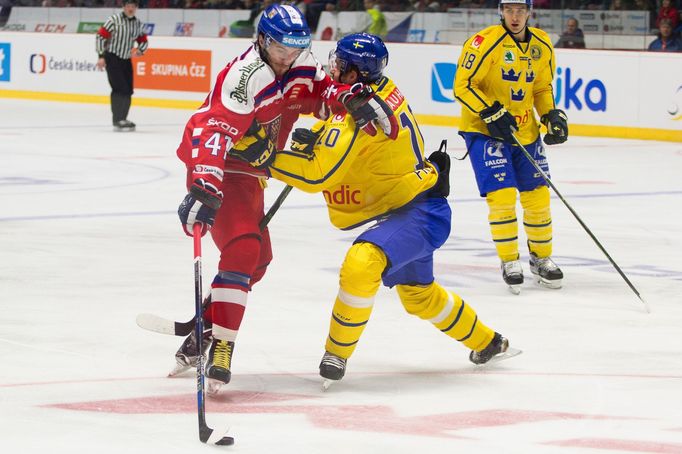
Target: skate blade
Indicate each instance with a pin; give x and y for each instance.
(213, 386)
(554, 285)
(515, 289)
(178, 370)
(327, 383)
(509, 353)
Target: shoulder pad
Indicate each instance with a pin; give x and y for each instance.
(540, 34)
(244, 80)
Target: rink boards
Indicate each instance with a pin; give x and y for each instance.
(605, 93)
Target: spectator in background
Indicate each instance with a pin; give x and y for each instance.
(666, 41)
(314, 9)
(572, 37)
(621, 5)
(593, 4)
(667, 11)
(678, 30)
(377, 24)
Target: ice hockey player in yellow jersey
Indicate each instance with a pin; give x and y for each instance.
(373, 178)
(504, 76)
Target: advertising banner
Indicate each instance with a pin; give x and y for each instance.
(173, 70)
(619, 94)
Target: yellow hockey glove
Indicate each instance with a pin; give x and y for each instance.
(255, 147)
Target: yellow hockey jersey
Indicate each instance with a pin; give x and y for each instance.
(495, 67)
(362, 177)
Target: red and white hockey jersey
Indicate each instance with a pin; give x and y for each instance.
(247, 89)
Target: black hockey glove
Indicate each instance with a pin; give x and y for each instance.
(255, 147)
(303, 142)
(500, 122)
(556, 122)
(200, 205)
(365, 107)
(441, 159)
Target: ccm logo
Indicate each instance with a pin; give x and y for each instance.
(342, 196)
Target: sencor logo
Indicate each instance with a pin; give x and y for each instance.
(443, 81)
(298, 42)
(37, 63)
(5, 54)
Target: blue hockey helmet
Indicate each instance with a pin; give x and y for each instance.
(286, 25)
(361, 51)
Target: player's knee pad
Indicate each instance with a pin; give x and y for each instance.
(537, 199)
(537, 220)
(503, 223)
(241, 254)
(362, 269)
(502, 200)
(424, 301)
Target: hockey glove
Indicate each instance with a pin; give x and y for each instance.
(255, 147)
(200, 205)
(501, 124)
(303, 142)
(556, 122)
(365, 107)
(441, 159)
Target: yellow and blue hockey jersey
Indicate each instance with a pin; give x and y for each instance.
(362, 177)
(495, 67)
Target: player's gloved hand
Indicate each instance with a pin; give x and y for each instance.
(200, 205)
(556, 122)
(442, 160)
(500, 122)
(367, 107)
(303, 141)
(255, 147)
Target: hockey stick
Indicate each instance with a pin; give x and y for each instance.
(580, 221)
(275, 206)
(162, 325)
(205, 432)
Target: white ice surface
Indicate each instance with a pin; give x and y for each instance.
(89, 238)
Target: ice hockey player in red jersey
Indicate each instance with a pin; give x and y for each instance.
(228, 142)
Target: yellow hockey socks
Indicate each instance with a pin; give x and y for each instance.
(360, 279)
(503, 224)
(447, 312)
(537, 221)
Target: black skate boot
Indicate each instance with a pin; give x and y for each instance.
(218, 364)
(546, 272)
(497, 346)
(186, 356)
(332, 368)
(512, 273)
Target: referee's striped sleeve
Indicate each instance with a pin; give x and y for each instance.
(119, 34)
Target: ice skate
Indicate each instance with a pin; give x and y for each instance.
(332, 368)
(512, 273)
(124, 126)
(546, 272)
(497, 347)
(186, 356)
(218, 365)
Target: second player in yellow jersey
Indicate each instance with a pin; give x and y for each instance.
(504, 76)
(374, 178)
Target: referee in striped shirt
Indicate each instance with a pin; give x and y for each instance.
(115, 43)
